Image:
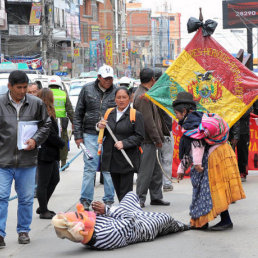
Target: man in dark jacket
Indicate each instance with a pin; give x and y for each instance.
(239, 137)
(255, 106)
(150, 174)
(94, 99)
(18, 153)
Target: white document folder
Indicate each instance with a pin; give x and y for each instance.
(26, 130)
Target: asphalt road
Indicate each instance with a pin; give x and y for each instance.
(242, 241)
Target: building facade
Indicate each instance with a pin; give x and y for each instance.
(139, 35)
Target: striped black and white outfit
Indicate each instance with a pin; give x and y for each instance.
(127, 224)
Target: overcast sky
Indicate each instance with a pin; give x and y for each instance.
(210, 9)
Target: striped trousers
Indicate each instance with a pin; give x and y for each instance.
(127, 224)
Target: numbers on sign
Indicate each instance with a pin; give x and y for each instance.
(246, 13)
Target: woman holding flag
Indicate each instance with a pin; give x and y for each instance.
(214, 173)
(127, 127)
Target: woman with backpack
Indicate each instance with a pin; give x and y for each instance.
(214, 172)
(128, 127)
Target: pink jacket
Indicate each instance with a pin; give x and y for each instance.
(197, 154)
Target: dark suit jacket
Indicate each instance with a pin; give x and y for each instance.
(131, 134)
(49, 150)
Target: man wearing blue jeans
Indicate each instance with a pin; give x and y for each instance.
(19, 163)
(94, 99)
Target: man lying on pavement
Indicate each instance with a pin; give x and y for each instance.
(116, 226)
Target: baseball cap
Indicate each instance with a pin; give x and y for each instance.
(106, 71)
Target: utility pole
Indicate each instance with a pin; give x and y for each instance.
(116, 30)
(50, 8)
(83, 58)
(44, 35)
(72, 50)
(250, 47)
(0, 47)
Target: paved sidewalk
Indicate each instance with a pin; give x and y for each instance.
(239, 242)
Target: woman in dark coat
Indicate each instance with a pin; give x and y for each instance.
(48, 158)
(130, 135)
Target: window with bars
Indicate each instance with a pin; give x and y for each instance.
(85, 32)
(87, 7)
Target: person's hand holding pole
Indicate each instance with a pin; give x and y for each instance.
(78, 142)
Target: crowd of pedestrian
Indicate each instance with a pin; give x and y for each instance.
(126, 134)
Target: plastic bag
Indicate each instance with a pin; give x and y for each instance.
(208, 27)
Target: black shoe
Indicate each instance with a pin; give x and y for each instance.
(206, 226)
(24, 238)
(186, 227)
(2, 242)
(86, 205)
(219, 227)
(38, 211)
(159, 202)
(46, 215)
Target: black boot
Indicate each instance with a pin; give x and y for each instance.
(225, 222)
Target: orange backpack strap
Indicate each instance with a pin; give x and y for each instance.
(132, 119)
(109, 110)
(132, 115)
(101, 131)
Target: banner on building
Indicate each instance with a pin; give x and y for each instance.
(29, 60)
(218, 81)
(87, 56)
(94, 32)
(54, 65)
(253, 147)
(100, 53)
(93, 54)
(73, 26)
(76, 52)
(35, 14)
(124, 53)
(109, 50)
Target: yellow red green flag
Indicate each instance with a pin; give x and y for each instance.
(218, 81)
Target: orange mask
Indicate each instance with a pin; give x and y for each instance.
(76, 226)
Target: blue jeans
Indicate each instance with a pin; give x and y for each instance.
(90, 168)
(24, 186)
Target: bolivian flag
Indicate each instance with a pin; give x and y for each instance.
(218, 81)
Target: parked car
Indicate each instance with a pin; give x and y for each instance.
(91, 74)
(4, 82)
(75, 89)
(40, 79)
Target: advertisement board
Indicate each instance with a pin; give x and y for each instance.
(240, 14)
(35, 14)
(109, 50)
(93, 54)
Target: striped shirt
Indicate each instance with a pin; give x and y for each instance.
(128, 223)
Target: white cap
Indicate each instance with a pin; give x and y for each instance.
(106, 71)
(125, 80)
(55, 80)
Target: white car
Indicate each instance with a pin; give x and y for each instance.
(4, 82)
(75, 89)
(40, 79)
